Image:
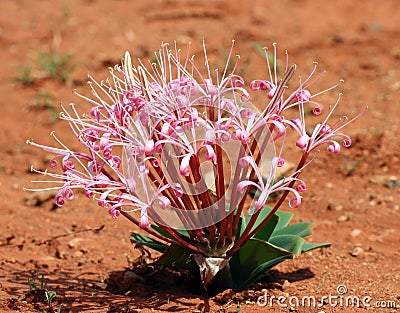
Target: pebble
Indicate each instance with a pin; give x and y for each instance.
(392, 183)
(388, 199)
(343, 218)
(375, 27)
(355, 232)
(382, 179)
(329, 185)
(357, 251)
(332, 206)
(74, 242)
(286, 283)
(374, 199)
(377, 179)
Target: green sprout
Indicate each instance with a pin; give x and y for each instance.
(56, 65)
(25, 76)
(41, 294)
(350, 165)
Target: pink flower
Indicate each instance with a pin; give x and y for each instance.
(144, 221)
(185, 147)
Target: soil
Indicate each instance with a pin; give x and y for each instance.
(84, 255)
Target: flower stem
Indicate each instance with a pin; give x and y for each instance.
(247, 234)
(176, 239)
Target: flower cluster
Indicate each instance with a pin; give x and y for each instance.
(185, 148)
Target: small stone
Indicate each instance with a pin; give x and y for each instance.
(286, 283)
(376, 27)
(343, 218)
(100, 285)
(392, 183)
(332, 206)
(377, 179)
(388, 199)
(329, 185)
(357, 251)
(389, 181)
(73, 243)
(355, 232)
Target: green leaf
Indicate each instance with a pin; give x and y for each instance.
(260, 218)
(183, 232)
(308, 246)
(32, 285)
(148, 242)
(263, 268)
(303, 229)
(268, 229)
(284, 219)
(179, 257)
(253, 259)
(292, 243)
(50, 295)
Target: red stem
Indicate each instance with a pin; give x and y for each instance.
(247, 234)
(177, 239)
(205, 199)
